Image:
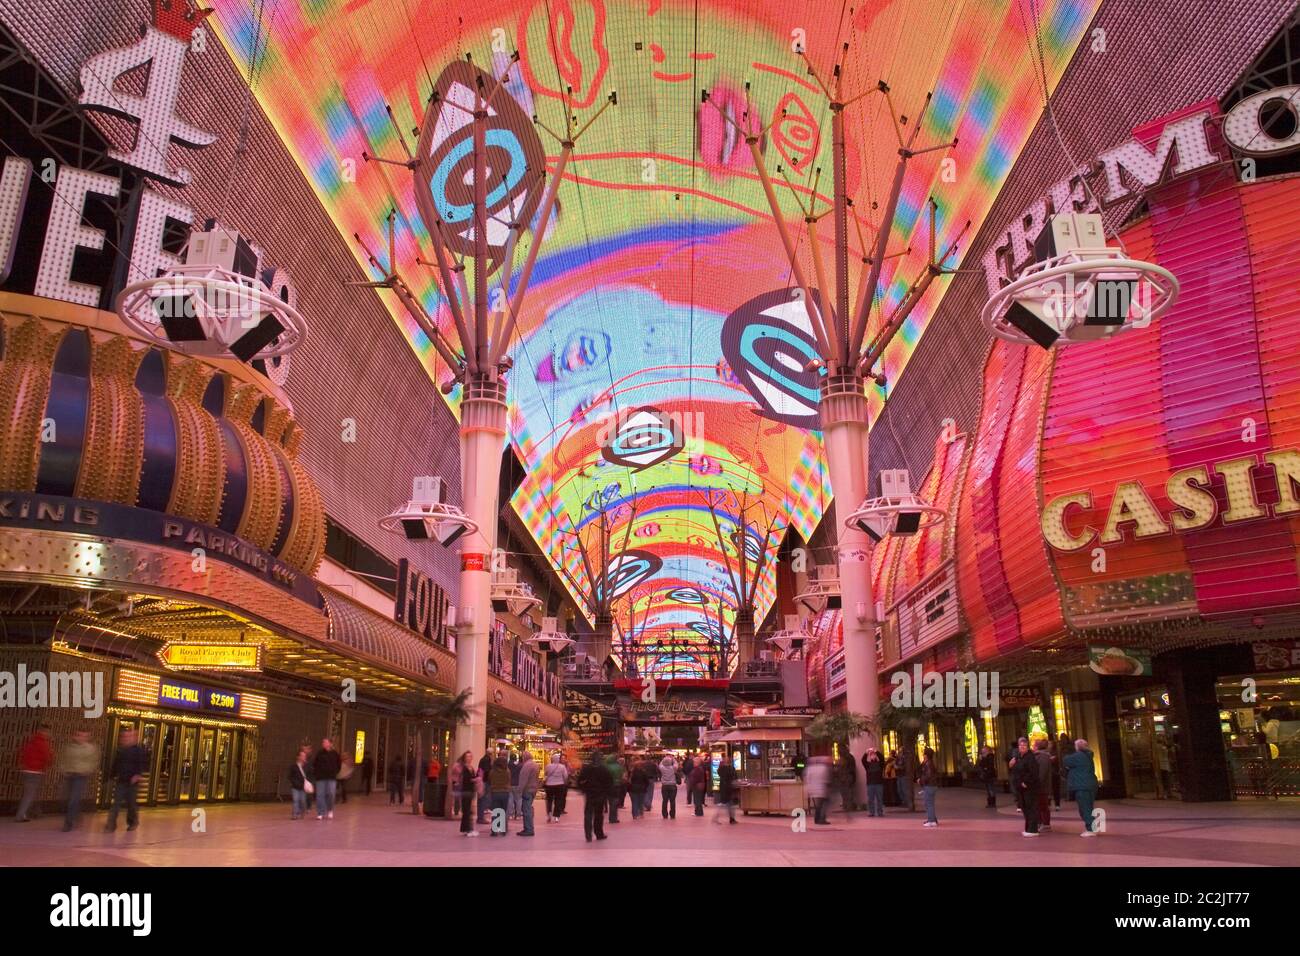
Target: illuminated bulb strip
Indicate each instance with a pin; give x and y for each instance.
(252, 707)
(137, 687)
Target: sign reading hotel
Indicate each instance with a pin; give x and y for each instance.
(1194, 495)
(216, 655)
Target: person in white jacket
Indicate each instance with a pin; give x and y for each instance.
(556, 782)
(817, 783)
(668, 785)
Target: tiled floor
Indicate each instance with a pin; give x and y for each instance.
(367, 832)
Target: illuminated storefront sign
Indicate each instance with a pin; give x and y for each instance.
(150, 690)
(1019, 698)
(1190, 490)
(421, 604)
(211, 656)
(109, 520)
(671, 706)
(1174, 146)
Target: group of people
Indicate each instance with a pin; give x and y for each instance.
(1039, 774)
(78, 762)
(891, 779)
(489, 791)
(319, 775)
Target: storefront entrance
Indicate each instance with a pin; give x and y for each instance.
(191, 760)
(1149, 745)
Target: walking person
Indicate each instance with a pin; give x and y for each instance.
(78, 764)
(528, 777)
(484, 788)
(688, 764)
(325, 767)
(1046, 773)
(556, 782)
(1025, 783)
(874, 768)
(848, 780)
(514, 786)
(1081, 784)
(346, 769)
(669, 778)
(465, 781)
(397, 782)
(637, 781)
(300, 785)
(616, 769)
(130, 764)
(987, 770)
(34, 759)
(906, 774)
(596, 783)
(928, 775)
(891, 779)
(728, 792)
(367, 772)
(499, 780)
(698, 781)
(817, 782)
(651, 775)
(1064, 747)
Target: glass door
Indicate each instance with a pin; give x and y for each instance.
(1139, 758)
(149, 741)
(203, 772)
(224, 748)
(162, 792)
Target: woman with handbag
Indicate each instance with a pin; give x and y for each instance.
(465, 779)
(300, 785)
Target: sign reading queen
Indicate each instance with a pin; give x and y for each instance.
(175, 33)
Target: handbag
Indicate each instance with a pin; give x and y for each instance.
(307, 785)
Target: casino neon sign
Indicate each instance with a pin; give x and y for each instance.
(1191, 491)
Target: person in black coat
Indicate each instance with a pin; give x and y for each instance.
(874, 768)
(1026, 783)
(595, 781)
(986, 768)
(728, 794)
(130, 765)
(325, 767)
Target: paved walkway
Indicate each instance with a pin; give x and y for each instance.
(367, 832)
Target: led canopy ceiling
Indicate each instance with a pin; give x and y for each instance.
(663, 349)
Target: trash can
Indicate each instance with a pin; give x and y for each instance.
(435, 798)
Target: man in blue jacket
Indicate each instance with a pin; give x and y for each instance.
(1081, 783)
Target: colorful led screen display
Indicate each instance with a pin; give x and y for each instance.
(661, 348)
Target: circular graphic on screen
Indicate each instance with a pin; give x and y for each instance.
(686, 596)
(444, 174)
(626, 571)
(644, 437)
(768, 343)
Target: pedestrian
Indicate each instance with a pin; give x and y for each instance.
(1025, 784)
(891, 779)
(130, 764)
(1081, 784)
(325, 769)
(615, 768)
(484, 788)
(637, 781)
(300, 785)
(1046, 773)
(514, 786)
(367, 772)
(698, 782)
(397, 783)
(874, 768)
(1064, 747)
(528, 774)
(346, 769)
(499, 781)
(670, 776)
(906, 774)
(817, 781)
(848, 779)
(728, 792)
(986, 769)
(34, 759)
(556, 782)
(928, 775)
(651, 775)
(78, 763)
(466, 781)
(1055, 754)
(596, 783)
(432, 774)
(688, 764)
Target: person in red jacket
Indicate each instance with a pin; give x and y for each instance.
(34, 759)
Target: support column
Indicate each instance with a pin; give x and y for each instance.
(482, 438)
(744, 631)
(844, 433)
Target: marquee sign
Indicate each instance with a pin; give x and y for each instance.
(1173, 146)
(211, 655)
(1194, 492)
(928, 613)
(421, 604)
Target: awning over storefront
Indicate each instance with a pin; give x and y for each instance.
(762, 734)
(375, 638)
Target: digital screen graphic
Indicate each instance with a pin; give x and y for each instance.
(661, 350)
